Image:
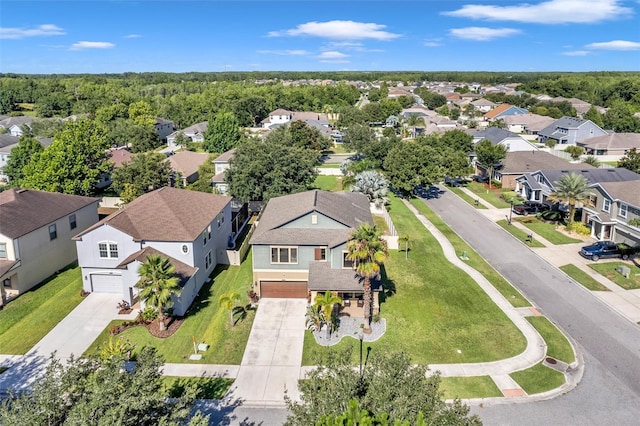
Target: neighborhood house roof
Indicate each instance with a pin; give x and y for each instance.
(494, 134)
(613, 141)
(182, 271)
(348, 208)
(225, 157)
(628, 192)
(594, 175)
(187, 162)
(501, 109)
(324, 278)
(533, 122)
(23, 211)
(166, 214)
(529, 161)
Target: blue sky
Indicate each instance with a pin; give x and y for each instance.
(95, 36)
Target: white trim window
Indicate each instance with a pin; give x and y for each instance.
(3, 250)
(606, 205)
(53, 232)
(73, 223)
(284, 255)
(108, 250)
(622, 211)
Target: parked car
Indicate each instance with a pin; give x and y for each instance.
(530, 207)
(481, 178)
(604, 249)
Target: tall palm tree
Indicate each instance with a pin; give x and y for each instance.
(368, 251)
(326, 301)
(571, 189)
(228, 301)
(157, 283)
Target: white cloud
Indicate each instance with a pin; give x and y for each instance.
(547, 12)
(482, 33)
(133, 36)
(286, 52)
(81, 45)
(39, 31)
(341, 30)
(614, 45)
(348, 46)
(433, 42)
(332, 55)
(577, 53)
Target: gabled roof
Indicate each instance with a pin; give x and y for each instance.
(627, 192)
(530, 161)
(225, 157)
(187, 162)
(280, 111)
(166, 214)
(351, 209)
(613, 141)
(483, 102)
(533, 122)
(501, 109)
(119, 156)
(182, 271)
(495, 134)
(7, 140)
(16, 121)
(23, 211)
(564, 123)
(594, 175)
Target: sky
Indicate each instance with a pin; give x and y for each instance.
(94, 36)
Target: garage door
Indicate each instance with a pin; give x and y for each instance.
(106, 283)
(287, 289)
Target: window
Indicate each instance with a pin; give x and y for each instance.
(204, 237)
(53, 232)
(622, 212)
(606, 205)
(284, 255)
(3, 250)
(108, 250)
(593, 199)
(207, 260)
(72, 221)
(346, 263)
(185, 249)
(320, 253)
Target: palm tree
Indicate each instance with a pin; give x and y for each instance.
(326, 301)
(571, 189)
(406, 239)
(157, 284)
(228, 301)
(368, 251)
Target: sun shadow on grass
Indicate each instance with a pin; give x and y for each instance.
(204, 295)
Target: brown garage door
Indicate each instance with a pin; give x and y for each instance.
(287, 289)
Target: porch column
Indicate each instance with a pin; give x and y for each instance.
(593, 229)
(601, 232)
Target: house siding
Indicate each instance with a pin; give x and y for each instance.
(305, 222)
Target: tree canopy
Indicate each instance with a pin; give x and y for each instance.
(27, 148)
(489, 154)
(631, 161)
(145, 172)
(301, 135)
(223, 133)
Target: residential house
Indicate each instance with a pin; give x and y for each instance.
(36, 230)
(570, 130)
(517, 163)
(119, 156)
(283, 116)
(613, 205)
(613, 145)
(185, 164)
(483, 105)
(190, 228)
(299, 247)
(222, 164)
(511, 141)
(14, 125)
(164, 128)
(503, 110)
(527, 124)
(194, 133)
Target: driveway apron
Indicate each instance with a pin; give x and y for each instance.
(271, 362)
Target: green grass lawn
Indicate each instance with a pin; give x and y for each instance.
(27, 319)
(608, 269)
(475, 261)
(492, 195)
(432, 308)
(558, 346)
(519, 234)
(583, 278)
(329, 166)
(538, 378)
(328, 183)
(206, 321)
(469, 387)
(472, 201)
(547, 231)
(208, 387)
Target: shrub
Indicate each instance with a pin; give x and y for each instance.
(148, 314)
(551, 216)
(496, 183)
(579, 228)
(376, 318)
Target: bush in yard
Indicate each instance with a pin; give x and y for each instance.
(579, 228)
(148, 314)
(496, 183)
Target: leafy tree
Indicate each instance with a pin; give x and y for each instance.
(228, 301)
(373, 185)
(326, 302)
(112, 112)
(20, 156)
(631, 161)
(251, 110)
(73, 163)
(140, 138)
(499, 123)
(54, 104)
(431, 100)
(7, 102)
(182, 140)
(390, 389)
(489, 155)
(206, 171)
(142, 114)
(368, 251)
(376, 151)
(574, 151)
(259, 171)
(157, 284)
(551, 143)
(357, 137)
(301, 135)
(405, 101)
(594, 115)
(94, 391)
(457, 140)
(620, 118)
(410, 164)
(571, 189)
(145, 172)
(223, 133)
(351, 115)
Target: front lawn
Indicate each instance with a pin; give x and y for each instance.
(608, 269)
(328, 183)
(434, 311)
(205, 321)
(469, 387)
(492, 196)
(558, 346)
(583, 278)
(538, 378)
(547, 231)
(27, 319)
(207, 387)
(466, 197)
(519, 234)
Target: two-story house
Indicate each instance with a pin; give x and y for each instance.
(221, 164)
(164, 128)
(36, 230)
(192, 229)
(299, 247)
(193, 133)
(613, 205)
(570, 130)
(14, 125)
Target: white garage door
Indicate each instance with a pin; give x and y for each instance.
(106, 283)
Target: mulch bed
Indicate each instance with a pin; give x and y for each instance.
(174, 324)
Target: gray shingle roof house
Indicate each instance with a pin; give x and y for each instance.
(195, 133)
(515, 164)
(188, 227)
(570, 130)
(36, 230)
(299, 246)
(611, 144)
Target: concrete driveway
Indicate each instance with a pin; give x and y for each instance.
(272, 357)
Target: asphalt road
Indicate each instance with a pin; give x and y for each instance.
(609, 392)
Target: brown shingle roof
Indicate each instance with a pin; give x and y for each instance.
(23, 211)
(166, 214)
(183, 271)
(187, 162)
(225, 156)
(529, 161)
